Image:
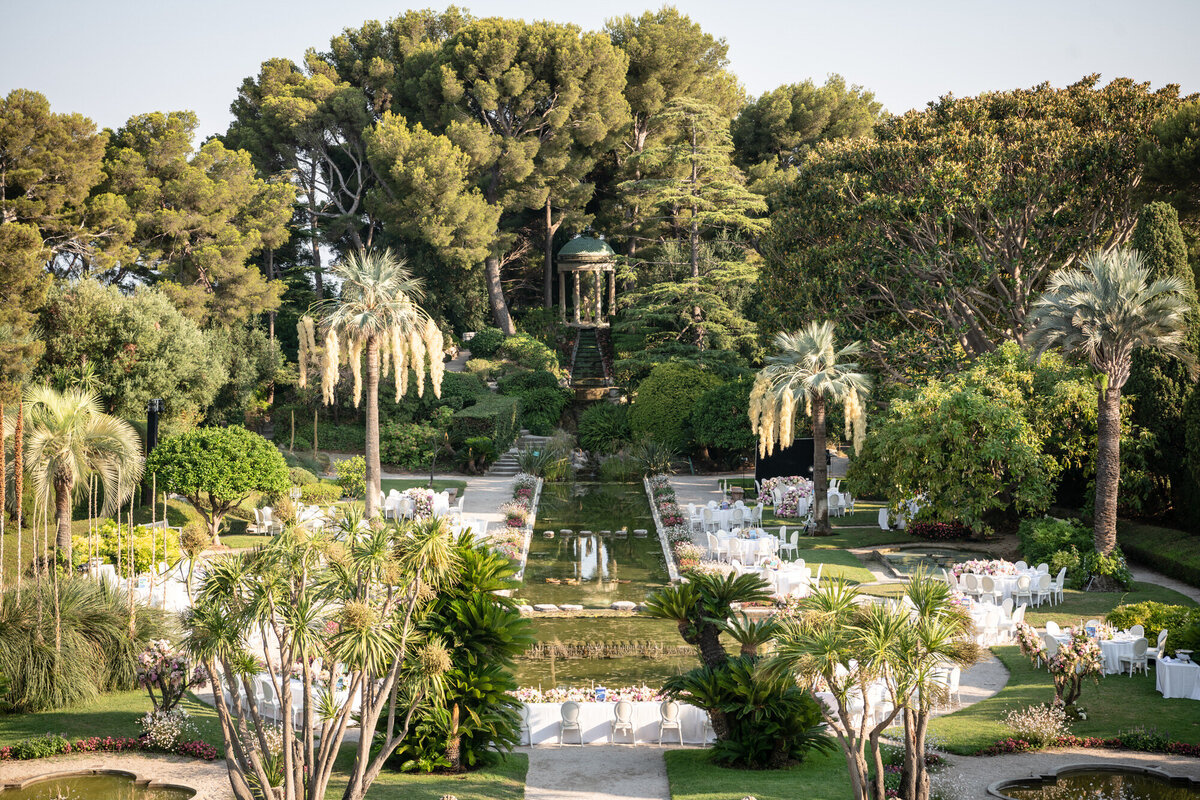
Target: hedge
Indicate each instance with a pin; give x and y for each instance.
(493, 416)
(1172, 552)
(1182, 623)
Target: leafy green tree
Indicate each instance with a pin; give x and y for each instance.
(1159, 383)
(23, 286)
(664, 401)
(694, 183)
(520, 132)
(773, 133)
(670, 58)
(255, 364)
(133, 348)
(1172, 157)
(216, 469)
(68, 442)
(933, 239)
(1104, 312)
(721, 421)
(806, 375)
(199, 215)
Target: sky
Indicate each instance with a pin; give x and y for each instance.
(111, 60)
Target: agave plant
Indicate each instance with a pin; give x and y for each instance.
(654, 458)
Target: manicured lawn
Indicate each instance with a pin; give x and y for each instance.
(114, 714)
(838, 564)
(504, 780)
(693, 777)
(1086, 605)
(1117, 703)
(1168, 550)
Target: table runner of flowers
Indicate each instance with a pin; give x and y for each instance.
(981, 566)
(575, 694)
(422, 500)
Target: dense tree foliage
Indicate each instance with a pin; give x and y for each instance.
(942, 229)
(663, 405)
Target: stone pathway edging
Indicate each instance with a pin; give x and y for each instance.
(668, 556)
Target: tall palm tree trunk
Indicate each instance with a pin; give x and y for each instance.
(372, 444)
(19, 485)
(62, 517)
(820, 471)
(1108, 469)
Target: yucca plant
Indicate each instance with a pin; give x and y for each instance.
(654, 457)
(1104, 312)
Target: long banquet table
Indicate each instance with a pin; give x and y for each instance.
(1175, 678)
(595, 718)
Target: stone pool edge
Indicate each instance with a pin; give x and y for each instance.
(530, 523)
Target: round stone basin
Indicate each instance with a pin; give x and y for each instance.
(1099, 782)
(93, 785)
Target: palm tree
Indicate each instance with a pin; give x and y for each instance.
(68, 439)
(809, 372)
(377, 313)
(1104, 312)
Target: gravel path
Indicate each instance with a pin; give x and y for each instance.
(208, 778)
(596, 772)
(968, 777)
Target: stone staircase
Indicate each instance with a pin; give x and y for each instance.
(588, 369)
(506, 466)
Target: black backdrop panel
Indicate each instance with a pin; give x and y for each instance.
(794, 460)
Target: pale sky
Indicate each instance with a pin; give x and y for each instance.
(110, 60)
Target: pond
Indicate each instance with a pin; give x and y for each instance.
(931, 559)
(1100, 783)
(598, 569)
(94, 786)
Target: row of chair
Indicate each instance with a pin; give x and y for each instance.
(621, 723)
(984, 588)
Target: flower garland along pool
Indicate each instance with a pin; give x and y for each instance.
(520, 515)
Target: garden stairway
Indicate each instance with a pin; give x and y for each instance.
(588, 376)
(506, 465)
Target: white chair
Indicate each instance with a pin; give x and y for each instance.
(1094, 624)
(1021, 566)
(1024, 590)
(848, 503)
(267, 704)
(883, 519)
(764, 550)
(622, 721)
(989, 629)
(695, 518)
(717, 547)
(817, 580)
(1051, 645)
(835, 505)
(1057, 586)
(1043, 590)
(1160, 651)
(1007, 606)
(570, 721)
(1138, 659)
(1052, 628)
(988, 591)
(1043, 568)
(1008, 629)
(257, 527)
(835, 484)
(710, 522)
(1137, 631)
(802, 506)
(952, 689)
(785, 546)
(668, 713)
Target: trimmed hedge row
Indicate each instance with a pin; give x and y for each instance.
(1172, 552)
(493, 416)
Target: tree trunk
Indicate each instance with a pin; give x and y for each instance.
(372, 444)
(711, 650)
(1108, 469)
(454, 745)
(491, 270)
(314, 235)
(62, 516)
(19, 484)
(820, 470)
(548, 268)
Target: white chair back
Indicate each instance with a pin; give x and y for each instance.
(623, 711)
(1021, 566)
(570, 712)
(883, 519)
(669, 710)
(1137, 631)
(1052, 628)
(1044, 568)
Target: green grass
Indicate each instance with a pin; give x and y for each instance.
(838, 564)
(504, 780)
(1086, 605)
(113, 714)
(1168, 550)
(693, 777)
(1117, 703)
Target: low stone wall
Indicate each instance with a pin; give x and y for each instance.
(672, 568)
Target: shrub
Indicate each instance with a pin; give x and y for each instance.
(406, 444)
(619, 468)
(1040, 725)
(352, 476)
(1182, 623)
(301, 477)
(939, 531)
(664, 402)
(320, 494)
(486, 342)
(164, 730)
(482, 368)
(493, 416)
(1042, 537)
(720, 419)
(1146, 740)
(51, 744)
(1110, 565)
(653, 457)
(604, 428)
(111, 542)
(529, 353)
(542, 400)
(475, 454)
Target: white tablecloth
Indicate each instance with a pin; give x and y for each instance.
(730, 518)
(1007, 584)
(1113, 650)
(979, 612)
(787, 580)
(1175, 678)
(545, 722)
(746, 550)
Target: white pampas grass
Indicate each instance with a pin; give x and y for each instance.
(416, 348)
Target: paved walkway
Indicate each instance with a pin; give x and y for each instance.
(1146, 575)
(596, 772)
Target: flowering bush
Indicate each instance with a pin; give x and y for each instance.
(422, 500)
(984, 567)
(54, 744)
(688, 555)
(1031, 643)
(939, 531)
(1039, 725)
(162, 669)
(508, 542)
(165, 729)
(523, 486)
(515, 514)
(1077, 659)
(1126, 740)
(635, 694)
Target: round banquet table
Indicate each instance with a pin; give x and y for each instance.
(746, 550)
(545, 720)
(1006, 585)
(1113, 650)
(729, 518)
(1175, 678)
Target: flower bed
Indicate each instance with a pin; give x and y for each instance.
(939, 531)
(56, 745)
(636, 694)
(1125, 740)
(663, 507)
